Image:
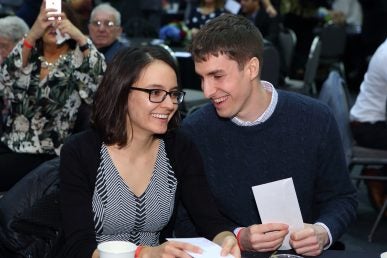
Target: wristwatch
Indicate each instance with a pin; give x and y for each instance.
(84, 47)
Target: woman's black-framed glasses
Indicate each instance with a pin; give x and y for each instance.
(159, 95)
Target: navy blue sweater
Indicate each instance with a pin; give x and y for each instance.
(300, 140)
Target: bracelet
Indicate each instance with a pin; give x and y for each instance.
(138, 250)
(238, 236)
(85, 47)
(27, 44)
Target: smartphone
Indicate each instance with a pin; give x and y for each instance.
(54, 4)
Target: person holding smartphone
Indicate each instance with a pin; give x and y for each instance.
(44, 83)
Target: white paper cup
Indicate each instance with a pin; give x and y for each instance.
(116, 249)
(383, 255)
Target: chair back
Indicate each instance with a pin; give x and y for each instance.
(333, 38)
(312, 66)
(271, 64)
(287, 40)
(334, 94)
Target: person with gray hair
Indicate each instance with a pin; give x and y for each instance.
(12, 29)
(105, 30)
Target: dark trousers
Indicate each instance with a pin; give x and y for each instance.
(370, 135)
(373, 136)
(14, 166)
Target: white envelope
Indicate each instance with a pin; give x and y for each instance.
(277, 202)
(232, 6)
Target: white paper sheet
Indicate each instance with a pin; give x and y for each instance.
(232, 6)
(277, 202)
(210, 249)
(60, 38)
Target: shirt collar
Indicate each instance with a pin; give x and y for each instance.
(267, 113)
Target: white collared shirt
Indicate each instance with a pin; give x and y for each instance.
(267, 113)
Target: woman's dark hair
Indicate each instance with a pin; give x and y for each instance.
(71, 16)
(110, 106)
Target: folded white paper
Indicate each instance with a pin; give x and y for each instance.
(60, 38)
(232, 6)
(210, 249)
(277, 202)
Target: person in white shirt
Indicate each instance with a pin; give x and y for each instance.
(351, 9)
(368, 119)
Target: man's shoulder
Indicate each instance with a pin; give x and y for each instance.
(295, 99)
(118, 44)
(203, 114)
(298, 104)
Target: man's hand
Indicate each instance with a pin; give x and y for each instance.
(229, 244)
(309, 241)
(263, 237)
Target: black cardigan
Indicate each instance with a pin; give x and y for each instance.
(79, 160)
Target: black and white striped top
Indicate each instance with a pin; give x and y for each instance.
(121, 215)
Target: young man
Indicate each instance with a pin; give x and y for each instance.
(253, 134)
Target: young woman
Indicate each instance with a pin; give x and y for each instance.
(123, 179)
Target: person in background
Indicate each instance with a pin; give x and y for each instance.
(351, 11)
(267, 25)
(368, 119)
(207, 10)
(44, 84)
(12, 29)
(29, 10)
(83, 10)
(122, 179)
(105, 30)
(251, 134)
(271, 8)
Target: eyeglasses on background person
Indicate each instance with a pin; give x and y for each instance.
(159, 95)
(106, 24)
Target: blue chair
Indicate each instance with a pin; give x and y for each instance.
(307, 86)
(271, 64)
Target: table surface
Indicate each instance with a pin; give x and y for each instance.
(325, 254)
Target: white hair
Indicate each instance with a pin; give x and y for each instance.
(13, 27)
(106, 7)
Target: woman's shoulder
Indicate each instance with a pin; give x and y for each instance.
(178, 144)
(83, 140)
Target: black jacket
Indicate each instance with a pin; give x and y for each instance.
(30, 224)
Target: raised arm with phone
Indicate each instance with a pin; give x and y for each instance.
(45, 83)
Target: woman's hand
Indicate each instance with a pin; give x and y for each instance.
(169, 249)
(41, 23)
(66, 27)
(229, 244)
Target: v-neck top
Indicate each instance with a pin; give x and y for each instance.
(119, 214)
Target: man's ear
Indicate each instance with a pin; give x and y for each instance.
(253, 66)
